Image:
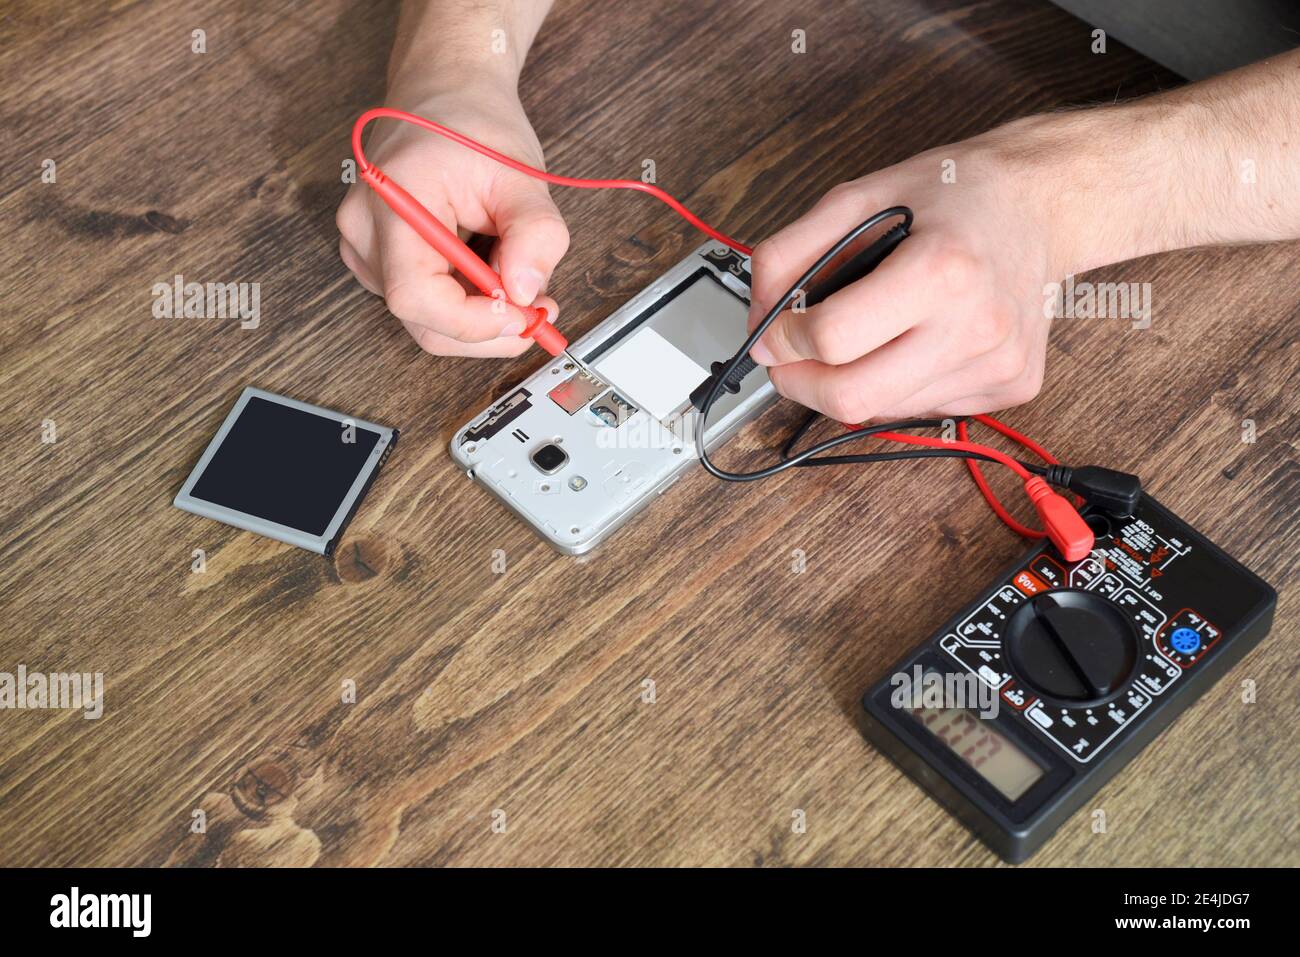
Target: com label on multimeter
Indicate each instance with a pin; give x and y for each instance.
(1089, 661)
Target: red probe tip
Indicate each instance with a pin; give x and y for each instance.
(542, 332)
(1061, 521)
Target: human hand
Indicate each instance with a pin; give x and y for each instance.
(467, 192)
(953, 321)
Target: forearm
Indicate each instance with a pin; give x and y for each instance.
(451, 44)
(1213, 162)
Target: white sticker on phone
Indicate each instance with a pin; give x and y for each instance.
(653, 373)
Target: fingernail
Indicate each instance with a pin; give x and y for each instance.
(514, 327)
(761, 354)
(528, 283)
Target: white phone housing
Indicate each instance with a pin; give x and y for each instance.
(613, 403)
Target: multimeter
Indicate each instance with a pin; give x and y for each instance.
(1015, 712)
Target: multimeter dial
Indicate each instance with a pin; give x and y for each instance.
(1072, 646)
(1090, 661)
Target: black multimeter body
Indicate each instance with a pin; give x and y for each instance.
(1087, 661)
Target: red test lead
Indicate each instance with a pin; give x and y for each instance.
(464, 259)
(1062, 523)
(461, 257)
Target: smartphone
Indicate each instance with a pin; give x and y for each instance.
(586, 442)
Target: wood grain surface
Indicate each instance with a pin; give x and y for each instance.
(517, 698)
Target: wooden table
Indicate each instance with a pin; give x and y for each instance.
(486, 699)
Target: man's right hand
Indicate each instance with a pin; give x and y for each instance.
(467, 192)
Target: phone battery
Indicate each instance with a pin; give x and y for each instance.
(287, 470)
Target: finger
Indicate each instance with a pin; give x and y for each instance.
(505, 346)
(783, 257)
(533, 237)
(964, 380)
(550, 305)
(357, 245)
(925, 404)
(969, 405)
(442, 304)
(359, 267)
(862, 389)
(999, 379)
(859, 318)
(440, 345)
(419, 289)
(356, 224)
(895, 297)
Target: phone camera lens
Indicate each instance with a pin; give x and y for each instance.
(549, 459)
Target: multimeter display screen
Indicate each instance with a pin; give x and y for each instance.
(989, 752)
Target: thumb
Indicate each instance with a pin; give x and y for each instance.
(533, 237)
